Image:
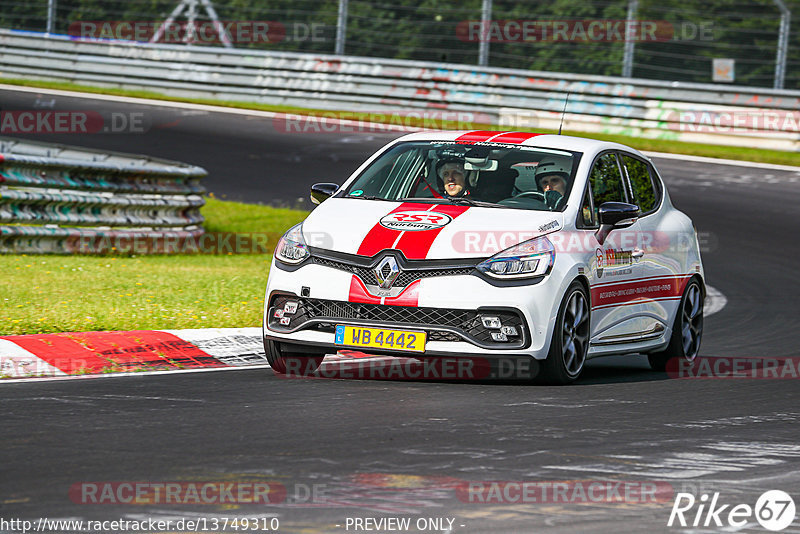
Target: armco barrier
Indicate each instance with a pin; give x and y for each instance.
(57, 199)
(740, 116)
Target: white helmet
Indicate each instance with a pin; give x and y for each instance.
(554, 165)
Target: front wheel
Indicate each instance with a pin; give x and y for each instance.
(293, 364)
(570, 342)
(687, 330)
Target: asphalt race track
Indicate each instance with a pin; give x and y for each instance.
(379, 449)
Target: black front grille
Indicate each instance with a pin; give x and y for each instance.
(442, 324)
(406, 275)
(362, 272)
(443, 335)
(387, 314)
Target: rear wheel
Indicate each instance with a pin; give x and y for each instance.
(687, 331)
(570, 342)
(291, 363)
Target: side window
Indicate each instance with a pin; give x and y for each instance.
(606, 181)
(644, 194)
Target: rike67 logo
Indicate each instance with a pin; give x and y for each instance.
(774, 510)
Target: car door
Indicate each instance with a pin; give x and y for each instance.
(617, 269)
(662, 269)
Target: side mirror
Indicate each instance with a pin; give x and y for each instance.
(615, 215)
(322, 192)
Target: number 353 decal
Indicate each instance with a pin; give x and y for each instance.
(415, 221)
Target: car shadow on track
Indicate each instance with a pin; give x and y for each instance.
(617, 369)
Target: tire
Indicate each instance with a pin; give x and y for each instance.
(570, 342)
(687, 330)
(294, 363)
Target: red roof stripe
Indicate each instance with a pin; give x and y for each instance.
(514, 137)
(476, 136)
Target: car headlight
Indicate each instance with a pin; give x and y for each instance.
(524, 260)
(292, 247)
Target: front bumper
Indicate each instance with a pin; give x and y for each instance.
(447, 325)
(449, 310)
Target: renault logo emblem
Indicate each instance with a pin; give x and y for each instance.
(387, 272)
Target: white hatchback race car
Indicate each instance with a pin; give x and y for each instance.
(490, 245)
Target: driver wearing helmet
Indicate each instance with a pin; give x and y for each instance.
(451, 172)
(551, 177)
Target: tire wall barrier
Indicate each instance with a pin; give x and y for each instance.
(63, 200)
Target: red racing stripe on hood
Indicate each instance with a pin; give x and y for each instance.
(416, 245)
(381, 237)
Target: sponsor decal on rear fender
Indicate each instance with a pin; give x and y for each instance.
(415, 221)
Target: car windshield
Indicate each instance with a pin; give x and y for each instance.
(486, 174)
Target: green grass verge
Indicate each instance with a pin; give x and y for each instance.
(45, 294)
(640, 143)
(227, 216)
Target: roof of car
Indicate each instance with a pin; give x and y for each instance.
(564, 142)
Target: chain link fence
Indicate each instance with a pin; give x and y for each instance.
(701, 41)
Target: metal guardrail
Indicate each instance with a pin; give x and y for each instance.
(717, 114)
(58, 199)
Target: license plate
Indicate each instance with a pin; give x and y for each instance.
(380, 338)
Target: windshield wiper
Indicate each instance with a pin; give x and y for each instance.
(453, 200)
(471, 202)
(367, 197)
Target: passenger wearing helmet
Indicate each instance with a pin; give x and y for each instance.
(451, 172)
(551, 177)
